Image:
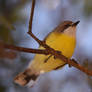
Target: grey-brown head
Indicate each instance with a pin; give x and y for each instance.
(67, 27)
(66, 24)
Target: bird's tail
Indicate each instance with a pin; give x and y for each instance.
(26, 77)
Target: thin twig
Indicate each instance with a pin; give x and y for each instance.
(31, 21)
(32, 14)
(30, 27)
(27, 50)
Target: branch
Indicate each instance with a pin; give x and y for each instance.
(28, 50)
(31, 15)
(48, 50)
(42, 43)
(45, 52)
(51, 50)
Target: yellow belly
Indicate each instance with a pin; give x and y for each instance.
(61, 42)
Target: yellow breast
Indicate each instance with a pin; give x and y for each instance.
(61, 42)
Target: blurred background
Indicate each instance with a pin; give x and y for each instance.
(14, 18)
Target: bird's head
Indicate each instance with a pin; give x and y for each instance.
(67, 27)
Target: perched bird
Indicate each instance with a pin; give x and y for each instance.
(62, 38)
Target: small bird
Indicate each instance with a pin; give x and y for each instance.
(62, 38)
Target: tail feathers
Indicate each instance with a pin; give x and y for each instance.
(25, 78)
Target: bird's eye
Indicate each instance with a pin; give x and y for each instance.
(67, 25)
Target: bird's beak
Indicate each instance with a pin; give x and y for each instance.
(76, 23)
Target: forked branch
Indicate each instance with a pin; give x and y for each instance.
(51, 50)
(48, 50)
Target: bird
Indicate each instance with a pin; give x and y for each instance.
(63, 39)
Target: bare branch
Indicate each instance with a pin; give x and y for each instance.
(30, 27)
(45, 52)
(31, 21)
(48, 50)
(51, 50)
(31, 16)
(28, 50)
